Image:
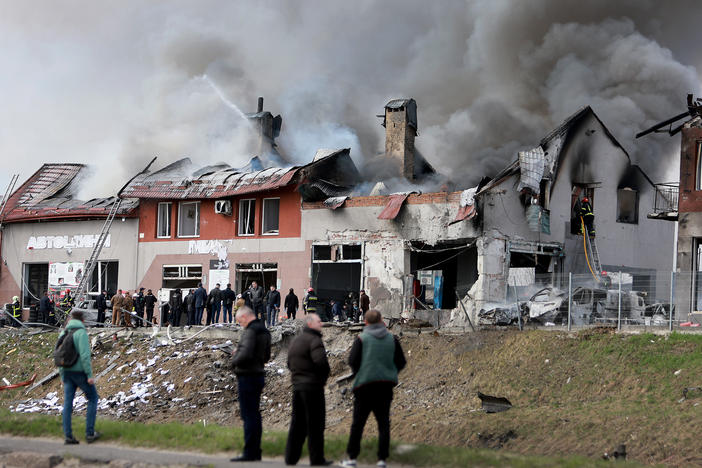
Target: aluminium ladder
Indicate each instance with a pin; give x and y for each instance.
(594, 253)
(90, 264)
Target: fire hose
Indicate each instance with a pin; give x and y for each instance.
(21, 384)
(587, 259)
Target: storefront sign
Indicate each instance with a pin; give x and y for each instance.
(79, 241)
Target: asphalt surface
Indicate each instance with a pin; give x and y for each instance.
(104, 452)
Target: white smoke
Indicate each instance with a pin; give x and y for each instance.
(115, 85)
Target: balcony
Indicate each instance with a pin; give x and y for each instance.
(665, 203)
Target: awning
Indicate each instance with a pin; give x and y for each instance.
(392, 209)
(466, 209)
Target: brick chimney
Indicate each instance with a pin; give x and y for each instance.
(400, 122)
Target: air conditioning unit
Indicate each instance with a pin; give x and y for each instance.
(223, 207)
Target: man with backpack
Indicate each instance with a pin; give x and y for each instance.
(72, 356)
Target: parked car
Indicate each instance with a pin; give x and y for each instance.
(90, 311)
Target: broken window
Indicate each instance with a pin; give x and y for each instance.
(271, 214)
(247, 217)
(35, 282)
(698, 178)
(265, 274)
(163, 226)
(627, 206)
(104, 278)
(189, 219)
(181, 276)
(321, 252)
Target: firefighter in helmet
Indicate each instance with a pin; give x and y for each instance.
(16, 311)
(588, 216)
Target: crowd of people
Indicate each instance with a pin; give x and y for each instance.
(376, 358)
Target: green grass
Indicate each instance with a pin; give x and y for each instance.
(218, 439)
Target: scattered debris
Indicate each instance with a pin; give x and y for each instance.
(492, 404)
(618, 454)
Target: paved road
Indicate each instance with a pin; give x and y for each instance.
(104, 452)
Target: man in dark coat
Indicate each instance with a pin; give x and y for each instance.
(189, 306)
(364, 302)
(149, 303)
(214, 304)
(176, 305)
(139, 308)
(256, 296)
(228, 298)
(309, 368)
(200, 302)
(101, 305)
(292, 303)
(272, 306)
(248, 360)
(376, 358)
(46, 307)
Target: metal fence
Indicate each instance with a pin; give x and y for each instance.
(649, 299)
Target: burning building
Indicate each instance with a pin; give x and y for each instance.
(47, 234)
(466, 244)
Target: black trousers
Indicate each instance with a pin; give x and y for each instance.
(150, 315)
(308, 421)
(375, 397)
(250, 388)
(139, 318)
(101, 317)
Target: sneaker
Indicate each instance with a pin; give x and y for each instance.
(381, 463)
(92, 438)
(347, 463)
(70, 441)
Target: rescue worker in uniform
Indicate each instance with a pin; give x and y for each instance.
(67, 302)
(16, 311)
(311, 302)
(588, 216)
(117, 308)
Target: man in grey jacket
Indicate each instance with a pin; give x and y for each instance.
(252, 352)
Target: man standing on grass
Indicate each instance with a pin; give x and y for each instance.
(309, 368)
(79, 375)
(248, 360)
(376, 358)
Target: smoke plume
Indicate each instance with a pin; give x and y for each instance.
(115, 84)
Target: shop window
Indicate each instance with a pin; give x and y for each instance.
(271, 215)
(163, 228)
(247, 217)
(189, 219)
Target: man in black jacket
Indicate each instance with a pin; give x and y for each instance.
(46, 307)
(256, 297)
(292, 303)
(252, 352)
(272, 306)
(176, 305)
(228, 298)
(214, 304)
(101, 305)
(189, 305)
(149, 303)
(309, 368)
(139, 307)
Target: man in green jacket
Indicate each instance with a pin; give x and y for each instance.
(376, 358)
(80, 375)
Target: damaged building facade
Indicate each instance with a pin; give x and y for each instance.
(47, 234)
(420, 248)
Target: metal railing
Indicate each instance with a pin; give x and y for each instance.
(666, 199)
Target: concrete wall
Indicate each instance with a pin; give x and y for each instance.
(15, 238)
(292, 256)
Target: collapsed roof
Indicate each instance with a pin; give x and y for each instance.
(331, 173)
(50, 194)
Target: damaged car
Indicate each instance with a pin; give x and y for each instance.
(499, 314)
(548, 305)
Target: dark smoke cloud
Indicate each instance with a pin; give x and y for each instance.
(118, 84)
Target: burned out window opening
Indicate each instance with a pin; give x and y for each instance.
(189, 219)
(181, 276)
(698, 171)
(163, 224)
(336, 270)
(265, 274)
(35, 280)
(247, 217)
(627, 206)
(271, 216)
(578, 192)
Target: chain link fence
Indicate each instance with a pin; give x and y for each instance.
(660, 299)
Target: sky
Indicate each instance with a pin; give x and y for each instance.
(113, 84)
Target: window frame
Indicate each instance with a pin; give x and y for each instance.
(698, 166)
(263, 218)
(239, 219)
(636, 206)
(169, 211)
(197, 221)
